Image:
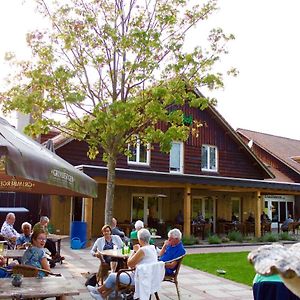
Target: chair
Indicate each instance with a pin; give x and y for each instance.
(102, 273)
(134, 241)
(173, 277)
(30, 271)
(145, 276)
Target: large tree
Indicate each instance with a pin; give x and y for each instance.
(115, 70)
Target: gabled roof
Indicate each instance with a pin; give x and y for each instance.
(60, 140)
(283, 149)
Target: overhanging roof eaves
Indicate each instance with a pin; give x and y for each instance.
(95, 171)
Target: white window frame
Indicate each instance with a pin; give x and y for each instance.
(181, 158)
(208, 169)
(137, 161)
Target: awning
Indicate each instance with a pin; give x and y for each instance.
(27, 166)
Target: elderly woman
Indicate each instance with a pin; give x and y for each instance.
(144, 253)
(50, 245)
(107, 241)
(35, 255)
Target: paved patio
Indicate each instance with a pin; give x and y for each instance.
(194, 285)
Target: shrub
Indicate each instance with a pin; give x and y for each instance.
(225, 239)
(269, 237)
(214, 239)
(286, 236)
(189, 240)
(235, 236)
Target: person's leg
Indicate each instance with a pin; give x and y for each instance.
(50, 245)
(110, 283)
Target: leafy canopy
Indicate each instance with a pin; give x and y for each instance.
(104, 71)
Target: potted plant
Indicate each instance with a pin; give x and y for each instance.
(153, 231)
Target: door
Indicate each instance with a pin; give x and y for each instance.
(146, 208)
(206, 206)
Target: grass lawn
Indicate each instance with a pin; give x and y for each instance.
(235, 264)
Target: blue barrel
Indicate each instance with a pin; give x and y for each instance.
(79, 231)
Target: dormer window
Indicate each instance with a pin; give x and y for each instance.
(140, 154)
(209, 158)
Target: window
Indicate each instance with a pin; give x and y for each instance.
(176, 157)
(209, 158)
(140, 154)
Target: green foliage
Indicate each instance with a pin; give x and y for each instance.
(235, 264)
(285, 236)
(113, 72)
(189, 240)
(235, 236)
(269, 237)
(214, 239)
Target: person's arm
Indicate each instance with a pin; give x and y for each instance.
(164, 247)
(95, 248)
(136, 257)
(45, 265)
(171, 265)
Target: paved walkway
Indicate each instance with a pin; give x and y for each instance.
(194, 284)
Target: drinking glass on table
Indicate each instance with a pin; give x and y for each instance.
(115, 249)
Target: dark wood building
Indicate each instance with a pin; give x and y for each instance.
(214, 173)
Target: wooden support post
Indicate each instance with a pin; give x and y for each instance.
(187, 210)
(88, 215)
(258, 212)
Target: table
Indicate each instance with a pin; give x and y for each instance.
(38, 288)
(56, 238)
(14, 254)
(155, 236)
(115, 253)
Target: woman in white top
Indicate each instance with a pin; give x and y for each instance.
(143, 254)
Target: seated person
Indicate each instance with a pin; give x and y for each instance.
(115, 230)
(5, 271)
(50, 245)
(8, 231)
(35, 255)
(23, 241)
(172, 249)
(138, 225)
(234, 219)
(144, 253)
(250, 219)
(107, 241)
(264, 218)
(285, 224)
(271, 288)
(199, 219)
(179, 218)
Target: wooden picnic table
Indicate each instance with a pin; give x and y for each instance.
(56, 238)
(33, 287)
(14, 254)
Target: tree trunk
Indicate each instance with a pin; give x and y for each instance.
(110, 189)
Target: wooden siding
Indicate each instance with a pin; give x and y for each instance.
(234, 160)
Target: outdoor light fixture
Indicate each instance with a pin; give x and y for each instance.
(161, 196)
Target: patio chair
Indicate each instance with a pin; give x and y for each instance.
(102, 273)
(30, 271)
(173, 277)
(146, 275)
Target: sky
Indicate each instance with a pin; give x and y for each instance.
(264, 96)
